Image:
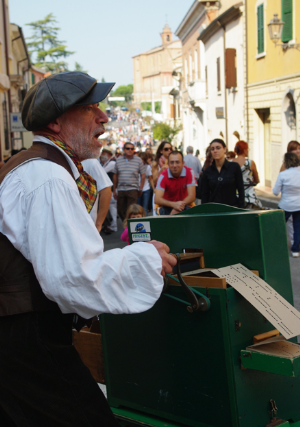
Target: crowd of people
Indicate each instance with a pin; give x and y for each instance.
(168, 182)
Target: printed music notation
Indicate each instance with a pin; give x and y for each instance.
(264, 298)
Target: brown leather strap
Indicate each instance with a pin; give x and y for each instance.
(36, 151)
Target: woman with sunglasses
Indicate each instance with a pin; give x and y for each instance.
(160, 164)
(223, 179)
(161, 159)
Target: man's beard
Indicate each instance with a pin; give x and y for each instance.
(82, 146)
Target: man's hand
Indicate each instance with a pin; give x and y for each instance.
(115, 195)
(179, 206)
(140, 193)
(168, 261)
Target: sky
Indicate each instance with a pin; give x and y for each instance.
(104, 34)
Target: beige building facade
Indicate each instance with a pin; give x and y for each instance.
(5, 71)
(19, 82)
(153, 79)
(15, 80)
(207, 31)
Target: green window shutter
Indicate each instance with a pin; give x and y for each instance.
(260, 29)
(287, 18)
(32, 78)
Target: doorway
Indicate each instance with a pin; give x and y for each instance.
(265, 143)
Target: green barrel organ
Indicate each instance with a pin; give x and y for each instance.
(170, 367)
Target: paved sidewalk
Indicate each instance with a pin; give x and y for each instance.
(112, 241)
(267, 198)
(270, 201)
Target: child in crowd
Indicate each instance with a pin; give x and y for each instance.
(134, 211)
(230, 155)
(148, 186)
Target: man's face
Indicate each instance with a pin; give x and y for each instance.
(129, 150)
(105, 155)
(81, 127)
(175, 164)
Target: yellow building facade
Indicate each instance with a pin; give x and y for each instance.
(272, 93)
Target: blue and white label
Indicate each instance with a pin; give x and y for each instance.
(16, 124)
(140, 227)
(141, 237)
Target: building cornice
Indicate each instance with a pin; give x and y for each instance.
(20, 39)
(274, 81)
(152, 75)
(231, 14)
(188, 15)
(158, 48)
(185, 27)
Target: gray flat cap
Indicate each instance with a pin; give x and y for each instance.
(54, 95)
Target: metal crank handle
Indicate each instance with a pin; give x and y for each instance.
(196, 303)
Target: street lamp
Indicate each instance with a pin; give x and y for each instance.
(275, 31)
(275, 28)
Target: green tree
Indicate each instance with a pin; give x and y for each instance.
(164, 131)
(157, 106)
(125, 91)
(46, 51)
(146, 106)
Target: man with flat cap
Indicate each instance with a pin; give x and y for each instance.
(52, 263)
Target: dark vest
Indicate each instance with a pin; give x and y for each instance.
(20, 291)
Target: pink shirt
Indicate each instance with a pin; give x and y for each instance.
(125, 236)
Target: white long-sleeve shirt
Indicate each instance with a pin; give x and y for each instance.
(44, 217)
(288, 184)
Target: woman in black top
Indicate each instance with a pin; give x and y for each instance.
(222, 180)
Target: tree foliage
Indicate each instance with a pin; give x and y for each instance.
(125, 91)
(46, 51)
(146, 106)
(163, 131)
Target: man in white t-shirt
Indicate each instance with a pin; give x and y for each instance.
(99, 211)
(108, 161)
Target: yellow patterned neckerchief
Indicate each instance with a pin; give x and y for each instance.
(87, 186)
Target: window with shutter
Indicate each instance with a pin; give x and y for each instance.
(230, 68)
(287, 18)
(260, 29)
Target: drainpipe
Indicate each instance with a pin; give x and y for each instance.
(6, 58)
(246, 85)
(225, 89)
